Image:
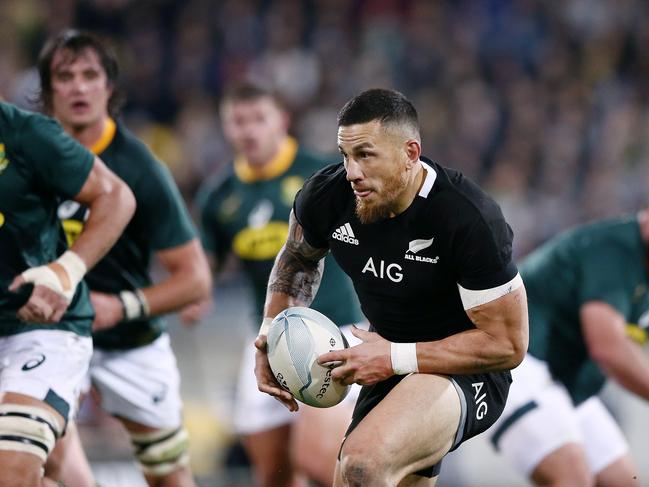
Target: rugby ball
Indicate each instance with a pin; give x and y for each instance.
(296, 338)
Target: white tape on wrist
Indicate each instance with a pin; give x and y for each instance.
(265, 325)
(404, 358)
(72, 264)
(134, 304)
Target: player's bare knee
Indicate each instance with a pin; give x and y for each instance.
(161, 452)
(359, 469)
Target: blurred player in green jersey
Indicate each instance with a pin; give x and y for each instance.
(583, 288)
(45, 312)
(245, 212)
(133, 368)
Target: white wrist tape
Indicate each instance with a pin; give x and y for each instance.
(74, 266)
(43, 275)
(404, 358)
(265, 325)
(134, 304)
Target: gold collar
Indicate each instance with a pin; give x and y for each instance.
(107, 136)
(277, 165)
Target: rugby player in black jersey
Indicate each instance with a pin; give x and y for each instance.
(430, 259)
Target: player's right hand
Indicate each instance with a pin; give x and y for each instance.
(266, 381)
(44, 304)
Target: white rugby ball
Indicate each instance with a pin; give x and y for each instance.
(296, 338)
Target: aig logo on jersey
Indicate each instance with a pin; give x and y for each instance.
(344, 233)
(382, 270)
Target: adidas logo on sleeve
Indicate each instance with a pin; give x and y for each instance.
(344, 233)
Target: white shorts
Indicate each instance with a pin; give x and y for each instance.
(49, 365)
(256, 411)
(140, 384)
(540, 417)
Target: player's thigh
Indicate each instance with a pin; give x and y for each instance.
(141, 385)
(621, 473)
(269, 451)
(316, 438)
(255, 411)
(411, 428)
(565, 465)
(607, 451)
(68, 462)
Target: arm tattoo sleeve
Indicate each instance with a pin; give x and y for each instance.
(298, 266)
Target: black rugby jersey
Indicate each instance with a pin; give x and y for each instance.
(406, 269)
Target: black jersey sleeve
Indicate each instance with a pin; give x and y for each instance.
(315, 204)
(482, 253)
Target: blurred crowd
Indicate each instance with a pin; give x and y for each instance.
(544, 102)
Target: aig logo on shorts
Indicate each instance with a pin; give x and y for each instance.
(480, 402)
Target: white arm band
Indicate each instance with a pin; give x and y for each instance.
(404, 358)
(472, 298)
(134, 304)
(74, 267)
(265, 325)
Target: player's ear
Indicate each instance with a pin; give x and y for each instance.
(413, 151)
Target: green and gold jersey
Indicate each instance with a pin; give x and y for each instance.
(604, 261)
(160, 222)
(39, 164)
(248, 214)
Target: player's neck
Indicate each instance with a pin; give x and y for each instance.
(415, 182)
(89, 134)
(259, 163)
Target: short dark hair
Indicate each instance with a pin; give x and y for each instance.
(247, 91)
(386, 106)
(76, 42)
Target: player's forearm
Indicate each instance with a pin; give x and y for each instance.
(110, 212)
(189, 280)
(294, 281)
(469, 352)
(627, 364)
(177, 291)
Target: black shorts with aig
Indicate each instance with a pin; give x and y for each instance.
(482, 398)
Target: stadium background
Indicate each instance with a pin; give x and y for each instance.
(543, 102)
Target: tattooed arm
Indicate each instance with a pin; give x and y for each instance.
(294, 281)
(297, 272)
